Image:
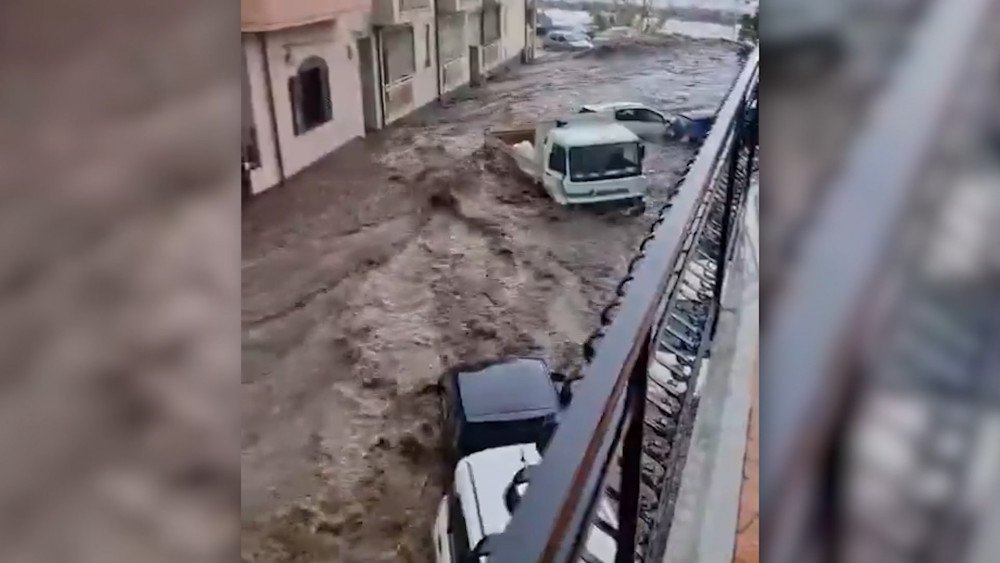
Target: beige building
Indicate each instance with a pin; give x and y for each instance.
(318, 73)
(405, 36)
(302, 91)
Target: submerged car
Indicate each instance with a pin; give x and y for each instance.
(692, 127)
(500, 403)
(653, 125)
(646, 122)
(560, 40)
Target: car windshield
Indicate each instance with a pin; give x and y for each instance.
(603, 162)
(478, 436)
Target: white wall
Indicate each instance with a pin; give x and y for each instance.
(286, 49)
(425, 83)
(267, 174)
(512, 29)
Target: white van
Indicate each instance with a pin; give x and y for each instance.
(582, 159)
(487, 487)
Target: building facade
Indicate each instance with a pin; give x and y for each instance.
(318, 73)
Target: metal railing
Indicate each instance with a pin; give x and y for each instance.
(614, 445)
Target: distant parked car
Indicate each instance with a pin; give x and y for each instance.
(614, 34)
(644, 121)
(692, 126)
(653, 125)
(567, 41)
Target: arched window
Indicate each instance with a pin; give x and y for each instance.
(309, 90)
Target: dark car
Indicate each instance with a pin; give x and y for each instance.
(500, 403)
(692, 126)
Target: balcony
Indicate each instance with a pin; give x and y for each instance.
(396, 12)
(459, 6)
(269, 15)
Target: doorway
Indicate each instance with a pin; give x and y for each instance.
(475, 65)
(369, 84)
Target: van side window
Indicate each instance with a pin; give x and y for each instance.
(460, 537)
(557, 159)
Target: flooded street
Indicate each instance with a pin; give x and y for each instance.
(408, 252)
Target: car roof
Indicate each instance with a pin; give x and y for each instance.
(590, 134)
(611, 106)
(506, 390)
(481, 479)
(699, 114)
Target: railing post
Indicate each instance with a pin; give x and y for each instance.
(631, 471)
(727, 213)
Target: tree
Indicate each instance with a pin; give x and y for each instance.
(599, 19)
(748, 27)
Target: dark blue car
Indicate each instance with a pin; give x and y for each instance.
(500, 403)
(692, 126)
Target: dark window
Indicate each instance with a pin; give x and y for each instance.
(309, 91)
(557, 159)
(491, 24)
(648, 116)
(626, 115)
(459, 533)
(398, 56)
(451, 37)
(427, 46)
(603, 162)
(479, 436)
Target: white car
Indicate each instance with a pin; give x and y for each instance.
(644, 121)
(479, 505)
(487, 487)
(567, 41)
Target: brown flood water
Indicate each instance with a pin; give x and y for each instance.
(407, 252)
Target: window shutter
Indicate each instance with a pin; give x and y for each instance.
(327, 102)
(295, 96)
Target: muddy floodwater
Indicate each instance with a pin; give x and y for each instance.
(405, 253)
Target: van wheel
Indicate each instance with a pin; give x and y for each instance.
(638, 208)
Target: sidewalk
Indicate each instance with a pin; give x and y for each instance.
(748, 529)
(748, 532)
(715, 520)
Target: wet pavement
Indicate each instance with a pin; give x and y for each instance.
(404, 253)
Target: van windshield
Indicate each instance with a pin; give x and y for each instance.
(604, 162)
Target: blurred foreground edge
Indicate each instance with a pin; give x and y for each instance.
(834, 338)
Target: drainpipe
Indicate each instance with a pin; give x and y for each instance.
(437, 50)
(379, 78)
(270, 108)
(527, 53)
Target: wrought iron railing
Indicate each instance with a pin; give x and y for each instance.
(607, 469)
